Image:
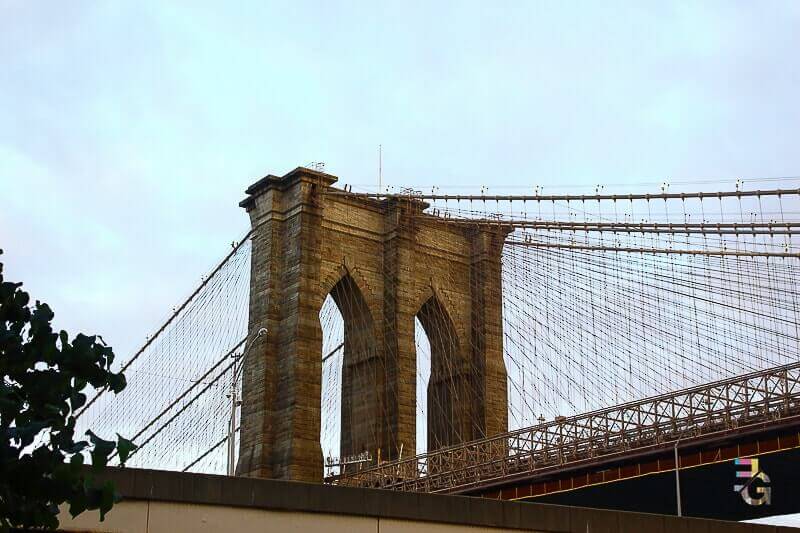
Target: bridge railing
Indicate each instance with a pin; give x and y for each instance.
(690, 414)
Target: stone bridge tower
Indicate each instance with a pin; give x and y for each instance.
(384, 262)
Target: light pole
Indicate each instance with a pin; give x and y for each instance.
(677, 477)
(234, 403)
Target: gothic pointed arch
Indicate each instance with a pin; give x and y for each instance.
(448, 386)
(360, 370)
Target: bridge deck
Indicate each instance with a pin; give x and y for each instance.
(753, 402)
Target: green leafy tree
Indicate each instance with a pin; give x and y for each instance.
(44, 375)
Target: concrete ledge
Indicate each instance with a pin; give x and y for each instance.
(178, 487)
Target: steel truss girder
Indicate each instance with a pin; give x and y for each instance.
(733, 404)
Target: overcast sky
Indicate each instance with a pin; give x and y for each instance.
(128, 131)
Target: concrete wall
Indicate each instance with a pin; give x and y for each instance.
(158, 502)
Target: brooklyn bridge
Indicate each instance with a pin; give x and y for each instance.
(635, 351)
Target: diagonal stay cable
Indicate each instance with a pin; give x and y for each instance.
(172, 317)
(186, 393)
(236, 360)
(208, 451)
(180, 411)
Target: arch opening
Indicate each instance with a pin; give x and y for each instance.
(332, 325)
(448, 402)
(349, 398)
(423, 349)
